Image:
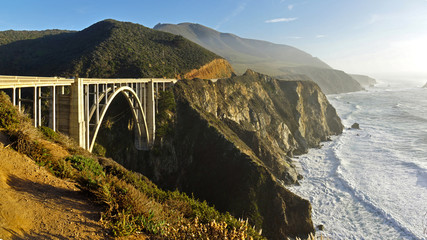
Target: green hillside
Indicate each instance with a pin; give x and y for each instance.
(106, 49)
(10, 36)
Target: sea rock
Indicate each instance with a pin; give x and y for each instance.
(355, 126)
(320, 227)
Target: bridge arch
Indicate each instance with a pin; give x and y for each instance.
(137, 113)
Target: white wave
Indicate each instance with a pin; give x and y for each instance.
(372, 183)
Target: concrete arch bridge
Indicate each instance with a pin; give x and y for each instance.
(77, 107)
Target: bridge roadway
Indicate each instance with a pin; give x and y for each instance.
(77, 107)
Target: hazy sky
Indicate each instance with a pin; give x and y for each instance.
(357, 36)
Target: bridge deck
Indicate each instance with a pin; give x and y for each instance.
(25, 81)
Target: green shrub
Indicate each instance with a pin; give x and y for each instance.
(49, 133)
(9, 117)
(90, 172)
(164, 117)
(99, 150)
(62, 169)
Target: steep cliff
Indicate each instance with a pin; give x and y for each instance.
(229, 143)
(267, 118)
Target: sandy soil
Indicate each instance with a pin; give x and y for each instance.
(34, 204)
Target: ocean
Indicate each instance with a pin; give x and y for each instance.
(372, 183)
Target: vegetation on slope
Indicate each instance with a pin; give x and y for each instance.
(106, 49)
(132, 203)
(10, 36)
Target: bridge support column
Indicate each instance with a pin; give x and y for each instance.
(77, 120)
(150, 112)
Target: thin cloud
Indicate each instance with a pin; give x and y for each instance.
(294, 37)
(320, 36)
(235, 12)
(277, 20)
(291, 7)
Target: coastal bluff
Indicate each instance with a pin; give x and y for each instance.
(231, 143)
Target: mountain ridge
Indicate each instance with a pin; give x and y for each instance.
(265, 57)
(227, 42)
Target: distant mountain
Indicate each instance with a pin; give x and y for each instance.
(330, 81)
(425, 86)
(365, 81)
(265, 57)
(106, 49)
(241, 51)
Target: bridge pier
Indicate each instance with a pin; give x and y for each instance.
(77, 128)
(150, 112)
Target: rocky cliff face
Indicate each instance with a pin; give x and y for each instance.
(266, 118)
(230, 145)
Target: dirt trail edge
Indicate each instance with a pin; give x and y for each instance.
(34, 204)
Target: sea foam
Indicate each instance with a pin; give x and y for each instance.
(371, 183)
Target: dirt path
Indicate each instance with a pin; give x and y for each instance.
(36, 205)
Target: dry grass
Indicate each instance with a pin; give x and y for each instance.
(218, 68)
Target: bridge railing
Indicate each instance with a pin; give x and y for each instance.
(126, 80)
(26, 81)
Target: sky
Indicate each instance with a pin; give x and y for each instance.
(373, 37)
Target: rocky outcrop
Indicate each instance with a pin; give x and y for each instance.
(273, 119)
(365, 81)
(218, 68)
(230, 145)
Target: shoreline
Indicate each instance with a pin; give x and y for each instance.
(340, 203)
